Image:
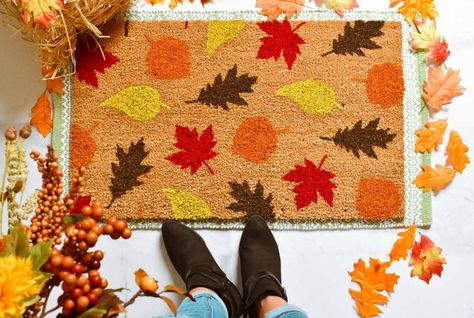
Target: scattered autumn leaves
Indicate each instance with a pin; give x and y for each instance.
(375, 282)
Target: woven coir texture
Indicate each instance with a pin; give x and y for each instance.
(313, 132)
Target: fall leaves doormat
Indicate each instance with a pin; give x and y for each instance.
(210, 117)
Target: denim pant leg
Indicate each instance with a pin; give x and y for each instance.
(286, 311)
(207, 305)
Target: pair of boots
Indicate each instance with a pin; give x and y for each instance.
(259, 259)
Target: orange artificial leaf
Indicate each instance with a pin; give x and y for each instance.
(411, 8)
(273, 8)
(42, 12)
(146, 283)
(434, 179)
(403, 244)
(372, 279)
(41, 115)
(431, 136)
(426, 259)
(456, 151)
(170, 304)
(52, 85)
(441, 88)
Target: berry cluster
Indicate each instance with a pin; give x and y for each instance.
(48, 220)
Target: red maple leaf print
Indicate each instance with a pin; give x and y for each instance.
(312, 180)
(89, 60)
(281, 39)
(195, 149)
(81, 201)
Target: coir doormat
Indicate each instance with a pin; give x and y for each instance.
(210, 117)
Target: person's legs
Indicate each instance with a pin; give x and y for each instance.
(194, 263)
(206, 304)
(264, 296)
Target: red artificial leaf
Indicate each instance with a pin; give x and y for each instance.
(89, 60)
(81, 201)
(312, 180)
(281, 40)
(195, 149)
(426, 259)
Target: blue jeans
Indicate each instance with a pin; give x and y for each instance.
(209, 305)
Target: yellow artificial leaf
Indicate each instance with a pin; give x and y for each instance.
(42, 115)
(187, 206)
(339, 5)
(431, 136)
(456, 151)
(424, 36)
(221, 31)
(42, 12)
(440, 88)
(434, 179)
(411, 8)
(313, 96)
(273, 8)
(403, 244)
(139, 102)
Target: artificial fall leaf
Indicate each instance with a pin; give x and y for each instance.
(90, 59)
(363, 139)
(411, 8)
(339, 5)
(357, 37)
(434, 179)
(426, 259)
(42, 12)
(42, 115)
(128, 170)
(281, 40)
(429, 40)
(146, 282)
(372, 279)
(456, 151)
(431, 136)
(403, 244)
(226, 90)
(440, 88)
(273, 8)
(251, 202)
(52, 85)
(312, 181)
(153, 2)
(196, 150)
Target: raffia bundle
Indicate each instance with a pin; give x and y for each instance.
(57, 42)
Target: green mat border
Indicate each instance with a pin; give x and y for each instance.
(422, 217)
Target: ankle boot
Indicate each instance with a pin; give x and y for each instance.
(194, 263)
(260, 265)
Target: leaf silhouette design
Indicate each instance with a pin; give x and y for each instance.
(251, 202)
(312, 180)
(128, 170)
(226, 90)
(195, 149)
(363, 139)
(356, 38)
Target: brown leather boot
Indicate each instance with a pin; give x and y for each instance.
(194, 262)
(260, 265)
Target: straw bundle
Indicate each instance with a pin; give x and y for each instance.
(57, 43)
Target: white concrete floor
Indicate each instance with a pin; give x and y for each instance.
(315, 264)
